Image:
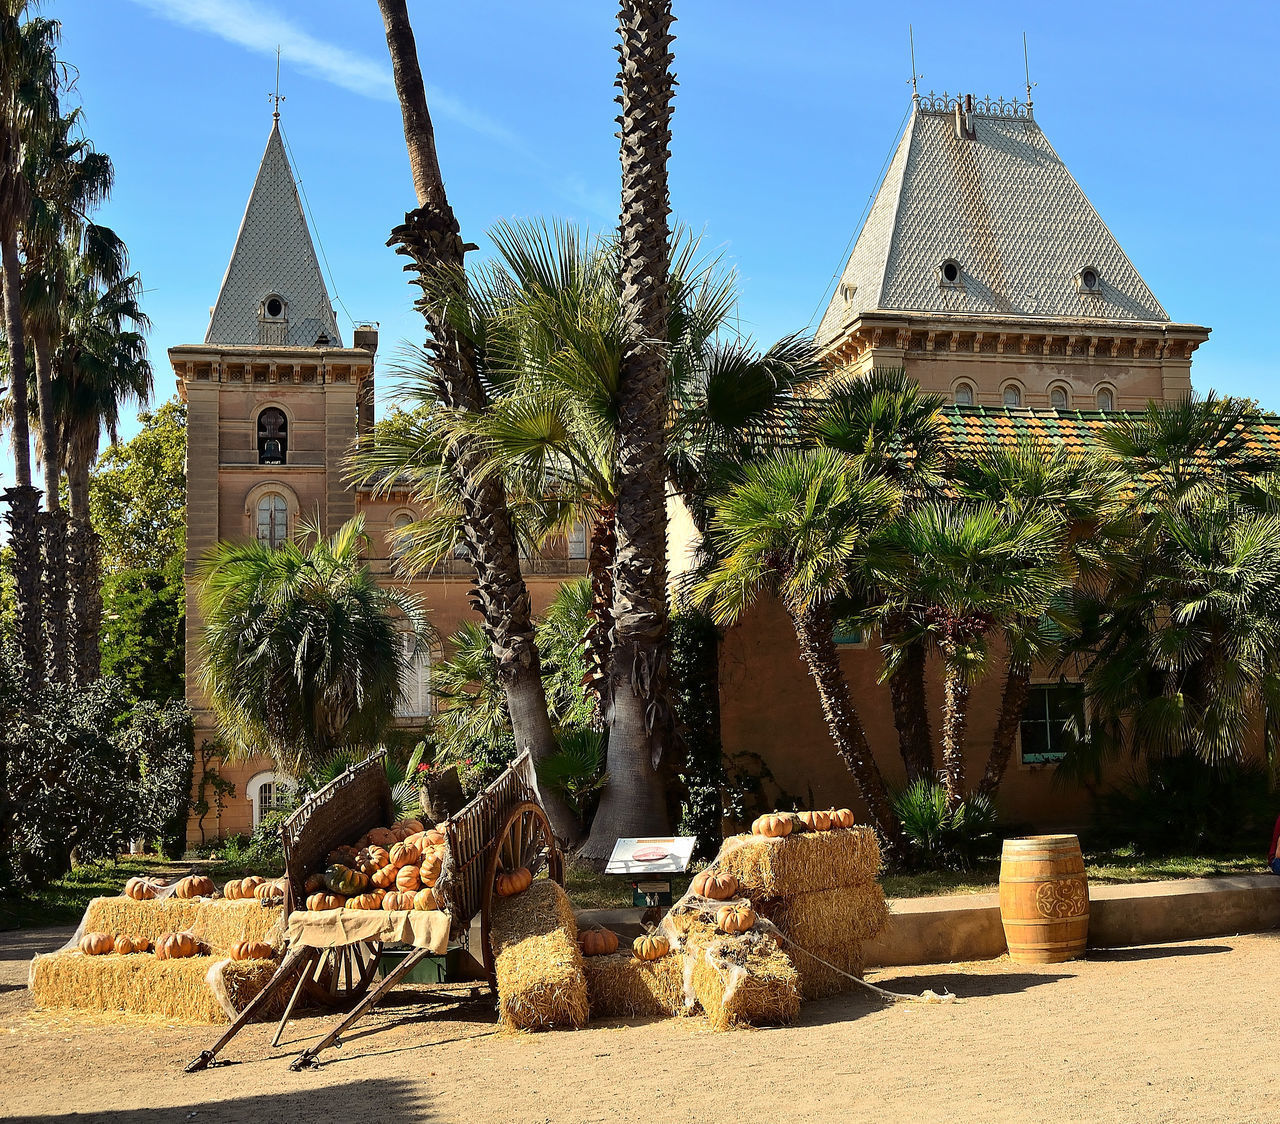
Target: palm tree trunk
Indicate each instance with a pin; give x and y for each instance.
(431, 237)
(1013, 703)
(640, 712)
(955, 720)
(911, 712)
(596, 642)
(814, 629)
(55, 590)
(83, 557)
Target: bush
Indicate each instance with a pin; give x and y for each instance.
(1182, 803)
(942, 839)
(576, 770)
(159, 743)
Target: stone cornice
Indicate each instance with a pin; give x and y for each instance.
(269, 366)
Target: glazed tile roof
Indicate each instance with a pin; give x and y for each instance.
(1004, 207)
(273, 255)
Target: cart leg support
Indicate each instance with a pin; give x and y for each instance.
(309, 1056)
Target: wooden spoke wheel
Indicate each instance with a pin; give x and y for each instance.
(339, 977)
(525, 839)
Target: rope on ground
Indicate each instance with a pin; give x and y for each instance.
(927, 996)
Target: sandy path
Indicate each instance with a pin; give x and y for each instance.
(1175, 1032)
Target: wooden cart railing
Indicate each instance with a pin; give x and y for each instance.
(502, 828)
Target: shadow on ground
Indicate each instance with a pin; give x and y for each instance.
(968, 985)
(1155, 952)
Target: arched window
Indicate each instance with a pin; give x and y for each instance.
(1058, 397)
(416, 702)
(273, 520)
(1013, 395)
(578, 540)
(273, 436)
(964, 394)
(1106, 399)
(266, 793)
(398, 544)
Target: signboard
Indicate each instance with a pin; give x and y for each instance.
(658, 855)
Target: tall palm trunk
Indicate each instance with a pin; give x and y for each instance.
(83, 564)
(431, 237)
(23, 500)
(1013, 703)
(640, 717)
(54, 522)
(814, 629)
(911, 712)
(596, 643)
(955, 721)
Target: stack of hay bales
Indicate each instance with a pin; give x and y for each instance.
(819, 888)
(623, 986)
(742, 979)
(541, 982)
(183, 990)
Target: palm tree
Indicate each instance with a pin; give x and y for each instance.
(965, 571)
(304, 650)
(640, 710)
(431, 237)
(802, 525)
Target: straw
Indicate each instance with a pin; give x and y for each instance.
(537, 962)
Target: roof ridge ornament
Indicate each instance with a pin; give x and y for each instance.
(980, 107)
(277, 97)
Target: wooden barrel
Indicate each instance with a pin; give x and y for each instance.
(1044, 898)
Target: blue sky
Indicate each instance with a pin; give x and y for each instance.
(785, 116)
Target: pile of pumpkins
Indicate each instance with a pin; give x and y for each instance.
(604, 942)
(200, 886)
(776, 825)
(391, 868)
(171, 946)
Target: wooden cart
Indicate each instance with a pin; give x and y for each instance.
(504, 827)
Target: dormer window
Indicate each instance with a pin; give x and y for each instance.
(949, 274)
(1088, 281)
(273, 436)
(273, 308)
(847, 291)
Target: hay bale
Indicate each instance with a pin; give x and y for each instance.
(799, 864)
(825, 976)
(744, 979)
(219, 924)
(541, 982)
(622, 986)
(142, 985)
(829, 918)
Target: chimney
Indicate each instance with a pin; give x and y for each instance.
(964, 118)
(365, 336)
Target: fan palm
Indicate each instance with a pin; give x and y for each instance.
(802, 524)
(304, 650)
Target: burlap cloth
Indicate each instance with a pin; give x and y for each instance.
(330, 928)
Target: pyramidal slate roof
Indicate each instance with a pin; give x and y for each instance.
(998, 201)
(273, 256)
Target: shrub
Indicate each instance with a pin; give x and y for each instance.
(158, 742)
(939, 838)
(576, 770)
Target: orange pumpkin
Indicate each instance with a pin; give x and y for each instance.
(513, 882)
(735, 918)
(394, 899)
(408, 878)
(384, 878)
(126, 945)
(382, 837)
(772, 826)
(252, 950)
(405, 854)
(817, 821)
(425, 899)
(142, 889)
(841, 817)
(341, 856)
(434, 838)
(370, 900)
(410, 826)
(240, 888)
(650, 946)
(97, 944)
(194, 886)
(177, 946)
(313, 883)
(429, 871)
(713, 884)
(372, 859)
(269, 891)
(598, 942)
(325, 901)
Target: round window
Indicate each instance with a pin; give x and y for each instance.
(950, 272)
(1089, 279)
(275, 306)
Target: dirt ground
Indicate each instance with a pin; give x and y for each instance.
(1171, 1032)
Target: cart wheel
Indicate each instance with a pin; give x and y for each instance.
(525, 839)
(340, 976)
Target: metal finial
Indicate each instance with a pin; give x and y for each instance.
(1026, 63)
(911, 39)
(277, 97)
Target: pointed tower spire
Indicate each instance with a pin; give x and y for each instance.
(273, 292)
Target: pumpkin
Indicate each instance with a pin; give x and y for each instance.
(142, 889)
(735, 918)
(384, 878)
(325, 901)
(341, 856)
(434, 838)
(239, 888)
(372, 859)
(372, 899)
(650, 946)
(816, 821)
(343, 880)
(97, 944)
(429, 871)
(425, 899)
(410, 827)
(382, 837)
(405, 854)
(841, 817)
(598, 942)
(177, 946)
(394, 899)
(772, 826)
(513, 882)
(252, 950)
(267, 891)
(713, 884)
(194, 886)
(408, 878)
(126, 945)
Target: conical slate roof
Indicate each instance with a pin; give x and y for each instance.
(991, 195)
(274, 256)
